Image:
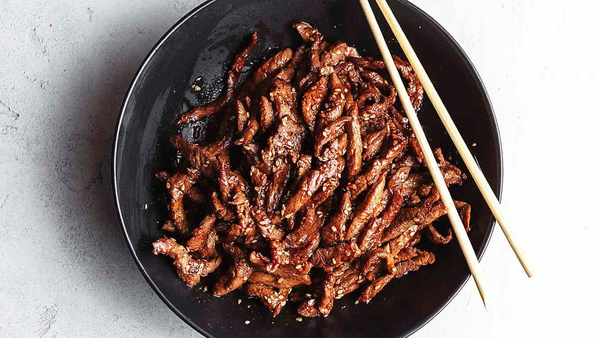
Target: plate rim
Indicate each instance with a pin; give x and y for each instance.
(445, 34)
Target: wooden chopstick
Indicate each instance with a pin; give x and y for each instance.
(438, 179)
(463, 150)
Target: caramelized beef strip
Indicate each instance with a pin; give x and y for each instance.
(329, 186)
(266, 227)
(285, 100)
(177, 186)
(423, 258)
(327, 291)
(367, 62)
(287, 140)
(377, 167)
(334, 256)
(237, 274)
(252, 154)
(308, 229)
(307, 32)
(242, 116)
(189, 269)
(464, 210)
(452, 175)
(334, 106)
(335, 230)
(435, 237)
(374, 257)
(272, 65)
(198, 242)
(372, 233)
(272, 299)
(415, 88)
(308, 308)
(397, 179)
(260, 182)
(367, 208)
(198, 113)
(349, 281)
(335, 54)
(202, 158)
(220, 209)
(309, 185)
(303, 166)
(281, 175)
(373, 143)
(266, 114)
(279, 282)
(355, 143)
(420, 215)
(312, 101)
(374, 287)
(301, 256)
(330, 132)
(248, 133)
(287, 73)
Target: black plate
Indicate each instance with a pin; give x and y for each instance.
(201, 45)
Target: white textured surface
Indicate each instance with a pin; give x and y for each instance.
(65, 67)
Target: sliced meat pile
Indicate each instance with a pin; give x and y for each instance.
(311, 185)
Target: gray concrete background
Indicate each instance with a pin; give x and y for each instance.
(65, 66)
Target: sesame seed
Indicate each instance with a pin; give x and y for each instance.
(298, 319)
(145, 206)
(239, 301)
(247, 322)
(474, 144)
(356, 303)
(298, 267)
(333, 228)
(280, 280)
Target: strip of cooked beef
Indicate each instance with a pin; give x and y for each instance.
(198, 113)
(178, 185)
(190, 270)
(237, 274)
(374, 287)
(203, 237)
(368, 208)
(309, 185)
(435, 237)
(335, 230)
(312, 101)
(273, 299)
(377, 167)
(371, 235)
(355, 144)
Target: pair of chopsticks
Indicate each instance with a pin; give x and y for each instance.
(438, 179)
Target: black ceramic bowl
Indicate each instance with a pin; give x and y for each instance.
(201, 45)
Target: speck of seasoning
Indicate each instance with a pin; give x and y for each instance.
(298, 319)
(205, 288)
(247, 322)
(145, 206)
(356, 303)
(239, 301)
(280, 280)
(248, 305)
(474, 144)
